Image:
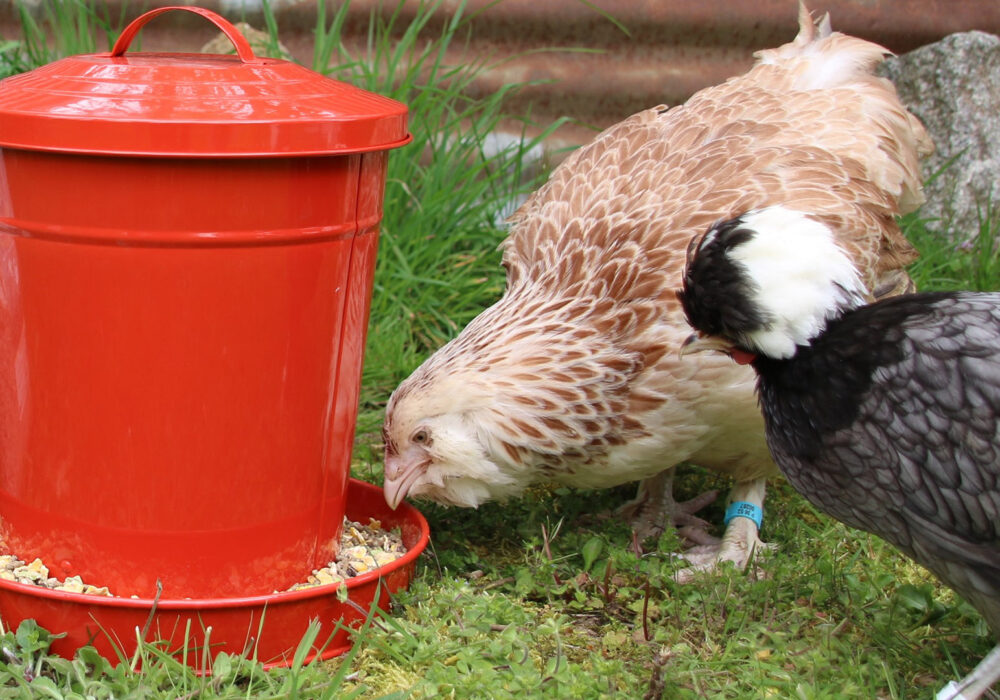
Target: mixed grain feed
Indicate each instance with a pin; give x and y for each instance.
(362, 548)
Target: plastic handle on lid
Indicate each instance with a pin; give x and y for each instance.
(242, 46)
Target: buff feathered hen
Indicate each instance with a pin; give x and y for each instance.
(573, 376)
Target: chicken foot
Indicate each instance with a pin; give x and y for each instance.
(654, 506)
(740, 542)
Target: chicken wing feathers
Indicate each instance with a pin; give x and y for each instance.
(917, 425)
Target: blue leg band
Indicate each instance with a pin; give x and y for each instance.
(742, 509)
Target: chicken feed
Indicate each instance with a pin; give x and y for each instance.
(362, 548)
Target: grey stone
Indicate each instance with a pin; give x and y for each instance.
(953, 86)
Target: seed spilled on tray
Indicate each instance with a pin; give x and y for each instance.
(362, 548)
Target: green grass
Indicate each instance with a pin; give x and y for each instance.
(544, 596)
(953, 261)
(58, 29)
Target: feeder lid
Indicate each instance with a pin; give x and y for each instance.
(179, 104)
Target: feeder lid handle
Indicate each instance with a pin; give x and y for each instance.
(240, 42)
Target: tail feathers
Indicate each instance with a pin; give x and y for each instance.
(809, 31)
(914, 143)
(821, 59)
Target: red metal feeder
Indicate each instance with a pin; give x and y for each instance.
(266, 627)
(187, 245)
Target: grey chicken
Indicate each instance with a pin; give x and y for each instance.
(571, 377)
(885, 416)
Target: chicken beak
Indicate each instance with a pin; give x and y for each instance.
(401, 475)
(696, 342)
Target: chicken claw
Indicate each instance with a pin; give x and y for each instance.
(654, 506)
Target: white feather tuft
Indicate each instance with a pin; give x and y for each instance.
(803, 278)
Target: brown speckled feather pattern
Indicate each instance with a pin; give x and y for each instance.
(578, 363)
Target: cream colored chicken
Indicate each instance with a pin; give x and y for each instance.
(573, 376)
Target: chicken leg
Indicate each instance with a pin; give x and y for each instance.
(977, 682)
(740, 541)
(654, 507)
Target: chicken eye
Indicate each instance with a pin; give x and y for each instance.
(420, 437)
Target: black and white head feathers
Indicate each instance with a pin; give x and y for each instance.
(741, 284)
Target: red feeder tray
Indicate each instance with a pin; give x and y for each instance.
(268, 627)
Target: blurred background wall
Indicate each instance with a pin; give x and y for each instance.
(602, 59)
